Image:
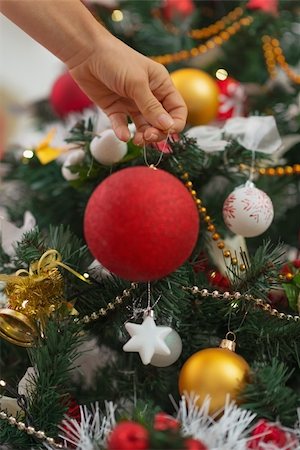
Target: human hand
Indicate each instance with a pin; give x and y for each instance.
(125, 83)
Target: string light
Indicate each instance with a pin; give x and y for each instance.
(28, 154)
(221, 74)
(273, 54)
(117, 15)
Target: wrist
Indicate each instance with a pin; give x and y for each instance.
(79, 49)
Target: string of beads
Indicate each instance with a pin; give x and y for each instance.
(273, 54)
(272, 171)
(31, 431)
(234, 296)
(102, 312)
(215, 41)
(219, 25)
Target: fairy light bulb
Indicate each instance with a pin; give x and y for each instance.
(117, 15)
(221, 74)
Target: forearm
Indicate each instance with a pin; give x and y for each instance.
(65, 27)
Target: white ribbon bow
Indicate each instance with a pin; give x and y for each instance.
(254, 133)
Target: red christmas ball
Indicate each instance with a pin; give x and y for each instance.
(194, 444)
(232, 99)
(128, 436)
(66, 96)
(141, 223)
(177, 9)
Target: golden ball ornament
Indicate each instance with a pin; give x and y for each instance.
(200, 93)
(215, 372)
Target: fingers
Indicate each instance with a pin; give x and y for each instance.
(120, 126)
(151, 109)
(160, 103)
(144, 131)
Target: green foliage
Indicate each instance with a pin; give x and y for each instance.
(269, 395)
(52, 359)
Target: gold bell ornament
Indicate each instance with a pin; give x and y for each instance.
(200, 92)
(33, 295)
(215, 372)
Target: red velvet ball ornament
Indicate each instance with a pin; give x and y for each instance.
(194, 444)
(128, 436)
(232, 99)
(66, 96)
(141, 223)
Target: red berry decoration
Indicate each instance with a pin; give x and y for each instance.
(66, 96)
(128, 436)
(267, 433)
(163, 422)
(232, 99)
(141, 223)
(193, 444)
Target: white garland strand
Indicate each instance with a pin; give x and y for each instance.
(228, 432)
(92, 431)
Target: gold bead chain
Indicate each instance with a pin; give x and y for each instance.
(218, 26)
(272, 171)
(228, 296)
(31, 431)
(211, 228)
(273, 54)
(217, 40)
(102, 312)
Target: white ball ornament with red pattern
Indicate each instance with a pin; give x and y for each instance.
(248, 211)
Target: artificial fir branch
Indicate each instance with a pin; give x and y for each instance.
(31, 247)
(268, 394)
(49, 387)
(261, 272)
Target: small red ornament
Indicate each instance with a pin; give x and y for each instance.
(128, 436)
(266, 432)
(218, 280)
(141, 223)
(267, 6)
(73, 412)
(177, 9)
(232, 99)
(193, 444)
(66, 96)
(163, 422)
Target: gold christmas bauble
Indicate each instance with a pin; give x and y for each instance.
(200, 93)
(215, 372)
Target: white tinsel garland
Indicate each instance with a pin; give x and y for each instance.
(229, 431)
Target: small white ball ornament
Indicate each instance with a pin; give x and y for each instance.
(248, 211)
(75, 158)
(174, 343)
(107, 149)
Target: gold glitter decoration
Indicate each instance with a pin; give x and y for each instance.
(32, 296)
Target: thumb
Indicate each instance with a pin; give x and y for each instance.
(151, 109)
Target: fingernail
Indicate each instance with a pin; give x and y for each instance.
(152, 137)
(165, 121)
